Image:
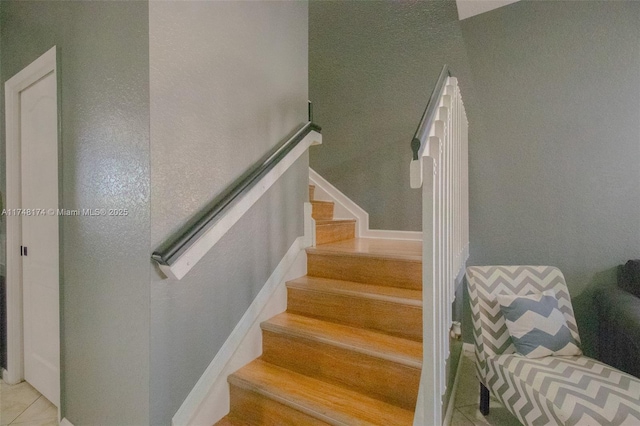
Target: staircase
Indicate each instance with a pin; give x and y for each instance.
(348, 350)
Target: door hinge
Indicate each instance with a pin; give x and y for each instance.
(23, 250)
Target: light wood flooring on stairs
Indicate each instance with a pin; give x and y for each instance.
(348, 350)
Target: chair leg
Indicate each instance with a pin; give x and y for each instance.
(484, 400)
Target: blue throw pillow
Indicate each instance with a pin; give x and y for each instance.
(536, 325)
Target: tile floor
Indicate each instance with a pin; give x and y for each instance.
(466, 411)
(22, 405)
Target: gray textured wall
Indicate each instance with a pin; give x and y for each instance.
(3, 256)
(372, 67)
(552, 91)
(555, 140)
(228, 82)
(104, 99)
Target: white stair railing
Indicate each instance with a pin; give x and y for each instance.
(440, 167)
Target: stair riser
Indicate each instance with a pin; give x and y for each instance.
(330, 233)
(364, 269)
(388, 317)
(259, 410)
(322, 211)
(379, 378)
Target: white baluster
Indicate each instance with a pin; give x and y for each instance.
(443, 173)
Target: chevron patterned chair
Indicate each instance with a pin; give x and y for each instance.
(553, 390)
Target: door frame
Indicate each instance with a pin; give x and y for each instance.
(38, 69)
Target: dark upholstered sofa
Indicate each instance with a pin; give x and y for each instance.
(619, 318)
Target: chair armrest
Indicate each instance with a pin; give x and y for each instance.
(621, 310)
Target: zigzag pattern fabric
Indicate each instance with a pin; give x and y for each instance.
(564, 391)
(489, 328)
(536, 325)
(551, 390)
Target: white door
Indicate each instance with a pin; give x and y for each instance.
(40, 274)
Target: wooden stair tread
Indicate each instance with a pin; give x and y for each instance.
(371, 247)
(316, 398)
(374, 364)
(368, 342)
(320, 222)
(334, 230)
(350, 288)
(227, 421)
(392, 310)
(322, 210)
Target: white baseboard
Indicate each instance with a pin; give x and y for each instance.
(209, 401)
(309, 226)
(345, 208)
(452, 401)
(65, 422)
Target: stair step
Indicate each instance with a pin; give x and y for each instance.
(331, 231)
(395, 263)
(255, 409)
(391, 310)
(312, 190)
(382, 366)
(228, 421)
(274, 395)
(322, 210)
(372, 247)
